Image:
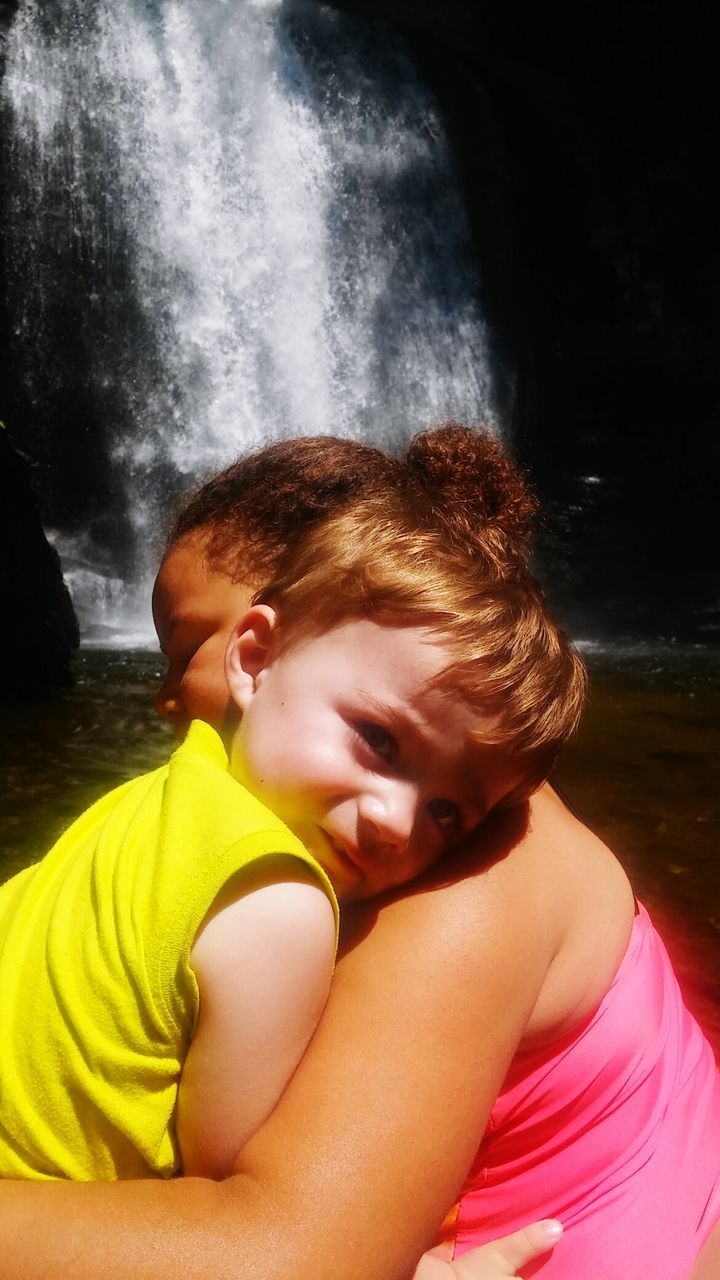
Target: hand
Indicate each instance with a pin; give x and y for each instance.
(496, 1260)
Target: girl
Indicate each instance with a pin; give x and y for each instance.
(436, 995)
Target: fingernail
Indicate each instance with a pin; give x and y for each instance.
(552, 1228)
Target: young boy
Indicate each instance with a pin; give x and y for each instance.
(177, 943)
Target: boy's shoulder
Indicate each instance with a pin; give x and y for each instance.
(206, 808)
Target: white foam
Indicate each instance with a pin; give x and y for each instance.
(278, 182)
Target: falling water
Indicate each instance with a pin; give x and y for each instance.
(252, 205)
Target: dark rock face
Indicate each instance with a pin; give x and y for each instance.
(607, 284)
(39, 634)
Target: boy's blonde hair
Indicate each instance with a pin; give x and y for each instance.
(426, 553)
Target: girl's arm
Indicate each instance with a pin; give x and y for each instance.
(707, 1265)
(263, 960)
(353, 1172)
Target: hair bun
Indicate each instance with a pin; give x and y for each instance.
(466, 476)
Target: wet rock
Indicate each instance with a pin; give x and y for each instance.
(40, 633)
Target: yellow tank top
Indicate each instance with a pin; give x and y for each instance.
(98, 998)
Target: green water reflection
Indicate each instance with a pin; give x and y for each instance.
(644, 773)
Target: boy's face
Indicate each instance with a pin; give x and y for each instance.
(195, 609)
(341, 737)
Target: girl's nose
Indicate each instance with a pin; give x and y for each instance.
(388, 815)
(167, 700)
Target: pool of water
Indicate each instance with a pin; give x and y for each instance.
(644, 773)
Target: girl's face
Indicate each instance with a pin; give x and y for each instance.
(195, 609)
(343, 736)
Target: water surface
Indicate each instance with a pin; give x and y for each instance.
(645, 774)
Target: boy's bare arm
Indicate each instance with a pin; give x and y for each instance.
(263, 960)
(354, 1170)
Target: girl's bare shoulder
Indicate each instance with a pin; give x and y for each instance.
(536, 910)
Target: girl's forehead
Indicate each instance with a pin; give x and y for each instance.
(187, 587)
(185, 566)
(185, 572)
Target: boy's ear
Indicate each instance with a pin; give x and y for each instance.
(248, 652)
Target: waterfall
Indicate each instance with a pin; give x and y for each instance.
(252, 206)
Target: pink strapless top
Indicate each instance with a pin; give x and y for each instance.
(615, 1130)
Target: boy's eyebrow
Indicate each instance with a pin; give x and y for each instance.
(395, 720)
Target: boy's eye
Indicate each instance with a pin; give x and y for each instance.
(378, 739)
(445, 814)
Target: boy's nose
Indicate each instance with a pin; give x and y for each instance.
(387, 817)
